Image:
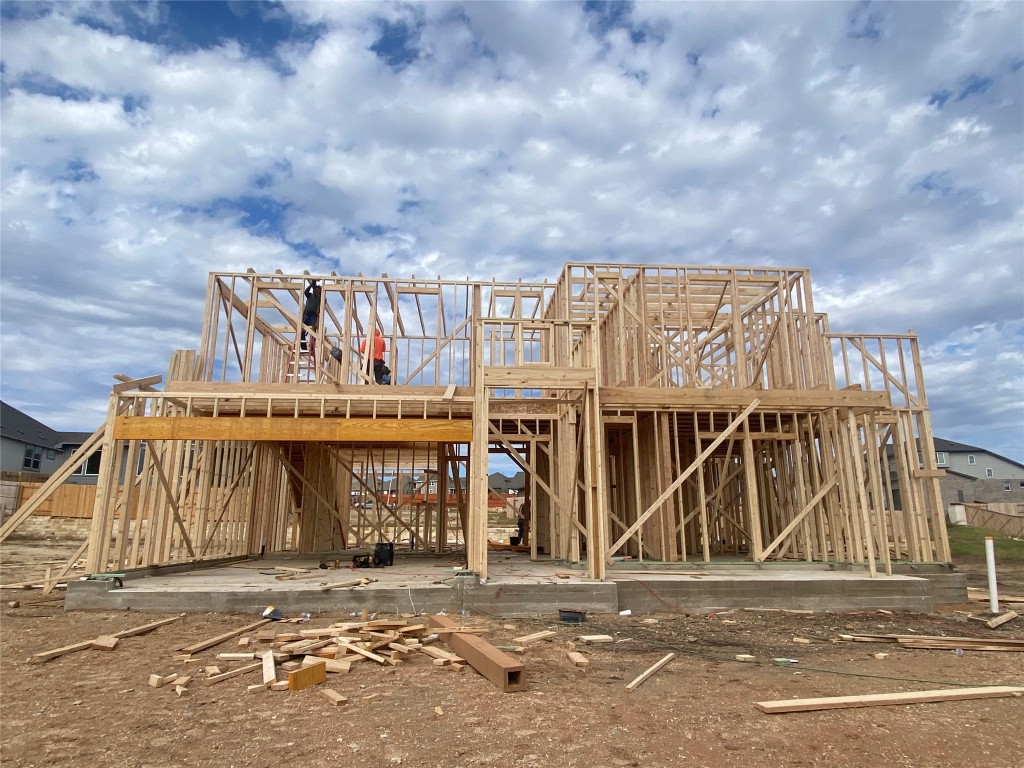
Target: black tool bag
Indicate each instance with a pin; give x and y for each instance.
(384, 554)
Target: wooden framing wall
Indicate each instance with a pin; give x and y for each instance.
(668, 413)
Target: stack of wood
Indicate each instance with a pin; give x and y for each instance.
(941, 643)
(294, 660)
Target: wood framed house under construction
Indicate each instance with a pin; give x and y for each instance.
(665, 413)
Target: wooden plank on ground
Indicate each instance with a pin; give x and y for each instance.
(307, 677)
(105, 643)
(53, 654)
(141, 630)
(641, 679)
(504, 671)
(884, 699)
(334, 697)
(204, 644)
(269, 669)
(234, 673)
(998, 621)
(546, 634)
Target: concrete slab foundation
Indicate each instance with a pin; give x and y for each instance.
(517, 587)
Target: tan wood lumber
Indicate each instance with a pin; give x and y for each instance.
(887, 699)
(280, 429)
(730, 397)
(105, 643)
(56, 652)
(204, 644)
(504, 671)
(577, 658)
(306, 677)
(334, 697)
(234, 673)
(269, 668)
(545, 634)
(649, 672)
(141, 630)
(998, 621)
(68, 468)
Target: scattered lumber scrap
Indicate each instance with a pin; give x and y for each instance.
(346, 584)
(977, 594)
(204, 644)
(307, 677)
(140, 630)
(441, 658)
(269, 669)
(954, 643)
(593, 639)
(886, 699)
(942, 643)
(159, 681)
(546, 634)
(650, 672)
(998, 621)
(577, 658)
(234, 673)
(334, 697)
(497, 666)
(105, 643)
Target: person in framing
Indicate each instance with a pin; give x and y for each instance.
(375, 365)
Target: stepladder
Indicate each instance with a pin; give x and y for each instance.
(302, 361)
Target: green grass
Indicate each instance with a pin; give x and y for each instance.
(968, 543)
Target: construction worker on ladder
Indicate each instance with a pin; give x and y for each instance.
(311, 310)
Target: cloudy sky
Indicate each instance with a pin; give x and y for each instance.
(146, 144)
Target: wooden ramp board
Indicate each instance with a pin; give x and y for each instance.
(506, 672)
(886, 699)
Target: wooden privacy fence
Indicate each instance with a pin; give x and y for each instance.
(65, 501)
(1009, 522)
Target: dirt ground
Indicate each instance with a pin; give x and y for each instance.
(96, 708)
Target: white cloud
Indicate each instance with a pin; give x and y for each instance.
(879, 145)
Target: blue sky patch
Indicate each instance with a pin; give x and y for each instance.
(974, 84)
(865, 23)
(47, 85)
(396, 44)
(78, 170)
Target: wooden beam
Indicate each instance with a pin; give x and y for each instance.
(497, 666)
(641, 679)
(148, 381)
(204, 644)
(887, 699)
(283, 429)
(694, 465)
(729, 397)
(539, 377)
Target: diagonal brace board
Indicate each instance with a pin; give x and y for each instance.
(682, 477)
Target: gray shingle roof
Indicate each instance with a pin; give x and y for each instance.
(20, 426)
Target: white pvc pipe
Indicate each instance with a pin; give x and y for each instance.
(990, 559)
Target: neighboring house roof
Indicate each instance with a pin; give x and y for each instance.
(951, 446)
(73, 438)
(16, 425)
(948, 446)
(972, 478)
